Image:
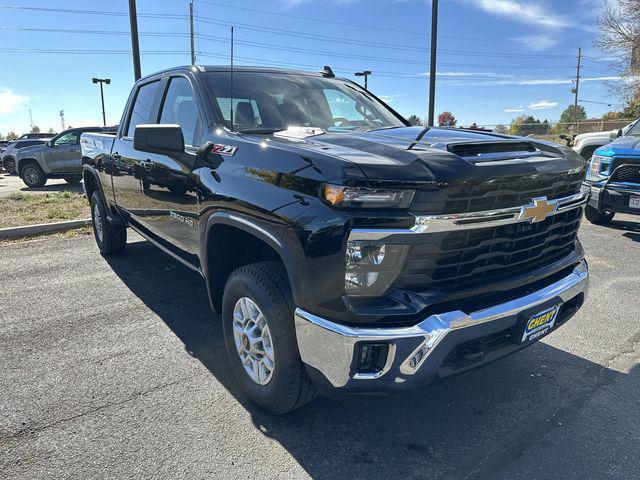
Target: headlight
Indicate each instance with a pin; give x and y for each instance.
(598, 168)
(358, 197)
(372, 268)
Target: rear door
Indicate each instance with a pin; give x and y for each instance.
(126, 164)
(169, 188)
(64, 155)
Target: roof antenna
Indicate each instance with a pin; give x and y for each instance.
(327, 72)
(232, 78)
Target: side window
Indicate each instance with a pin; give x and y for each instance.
(70, 138)
(180, 107)
(142, 106)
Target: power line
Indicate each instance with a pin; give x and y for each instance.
(295, 33)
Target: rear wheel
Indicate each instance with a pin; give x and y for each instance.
(33, 176)
(597, 217)
(111, 239)
(257, 316)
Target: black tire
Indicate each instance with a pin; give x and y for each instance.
(32, 175)
(73, 180)
(267, 285)
(587, 152)
(111, 239)
(10, 166)
(598, 218)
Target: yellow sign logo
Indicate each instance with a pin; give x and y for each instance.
(539, 320)
(538, 210)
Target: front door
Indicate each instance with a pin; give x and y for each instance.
(64, 154)
(169, 188)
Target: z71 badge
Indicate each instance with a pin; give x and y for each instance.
(540, 324)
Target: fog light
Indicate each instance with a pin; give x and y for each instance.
(372, 358)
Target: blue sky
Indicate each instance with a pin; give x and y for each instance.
(498, 58)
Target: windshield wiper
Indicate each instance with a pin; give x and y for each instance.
(260, 130)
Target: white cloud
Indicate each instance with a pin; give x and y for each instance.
(523, 12)
(538, 42)
(542, 105)
(10, 102)
(389, 98)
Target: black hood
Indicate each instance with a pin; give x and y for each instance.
(419, 155)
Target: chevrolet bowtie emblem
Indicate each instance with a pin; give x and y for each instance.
(538, 210)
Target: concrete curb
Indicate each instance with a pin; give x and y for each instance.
(29, 230)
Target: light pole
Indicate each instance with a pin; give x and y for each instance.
(364, 74)
(432, 65)
(101, 81)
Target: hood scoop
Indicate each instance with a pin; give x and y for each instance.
(477, 152)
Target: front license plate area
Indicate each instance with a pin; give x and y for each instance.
(539, 323)
(634, 201)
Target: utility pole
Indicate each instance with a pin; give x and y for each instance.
(30, 119)
(576, 90)
(61, 114)
(432, 66)
(364, 74)
(193, 53)
(135, 46)
(101, 81)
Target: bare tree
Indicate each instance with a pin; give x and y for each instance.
(620, 26)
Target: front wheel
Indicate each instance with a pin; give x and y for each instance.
(33, 176)
(257, 316)
(598, 218)
(110, 238)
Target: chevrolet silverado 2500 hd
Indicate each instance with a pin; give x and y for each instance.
(344, 249)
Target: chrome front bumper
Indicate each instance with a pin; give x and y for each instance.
(416, 353)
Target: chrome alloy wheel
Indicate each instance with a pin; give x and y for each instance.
(31, 175)
(253, 341)
(97, 222)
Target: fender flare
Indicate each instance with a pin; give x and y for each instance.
(287, 249)
(21, 161)
(112, 215)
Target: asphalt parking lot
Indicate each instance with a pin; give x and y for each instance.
(115, 368)
(13, 184)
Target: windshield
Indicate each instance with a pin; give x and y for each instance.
(635, 130)
(264, 102)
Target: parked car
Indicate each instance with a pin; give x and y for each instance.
(8, 157)
(36, 135)
(614, 177)
(587, 143)
(345, 249)
(57, 158)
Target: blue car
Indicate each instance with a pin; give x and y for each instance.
(614, 177)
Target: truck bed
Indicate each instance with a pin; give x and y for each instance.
(96, 145)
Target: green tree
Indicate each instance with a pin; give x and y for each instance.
(35, 129)
(414, 120)
(567, 115)
(51, 130)
(12, 136)
(501, 129)
(632, 110)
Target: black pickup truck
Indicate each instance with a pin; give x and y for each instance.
(344, 249)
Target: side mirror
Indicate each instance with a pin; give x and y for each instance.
(615, 134)
(165, 139)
